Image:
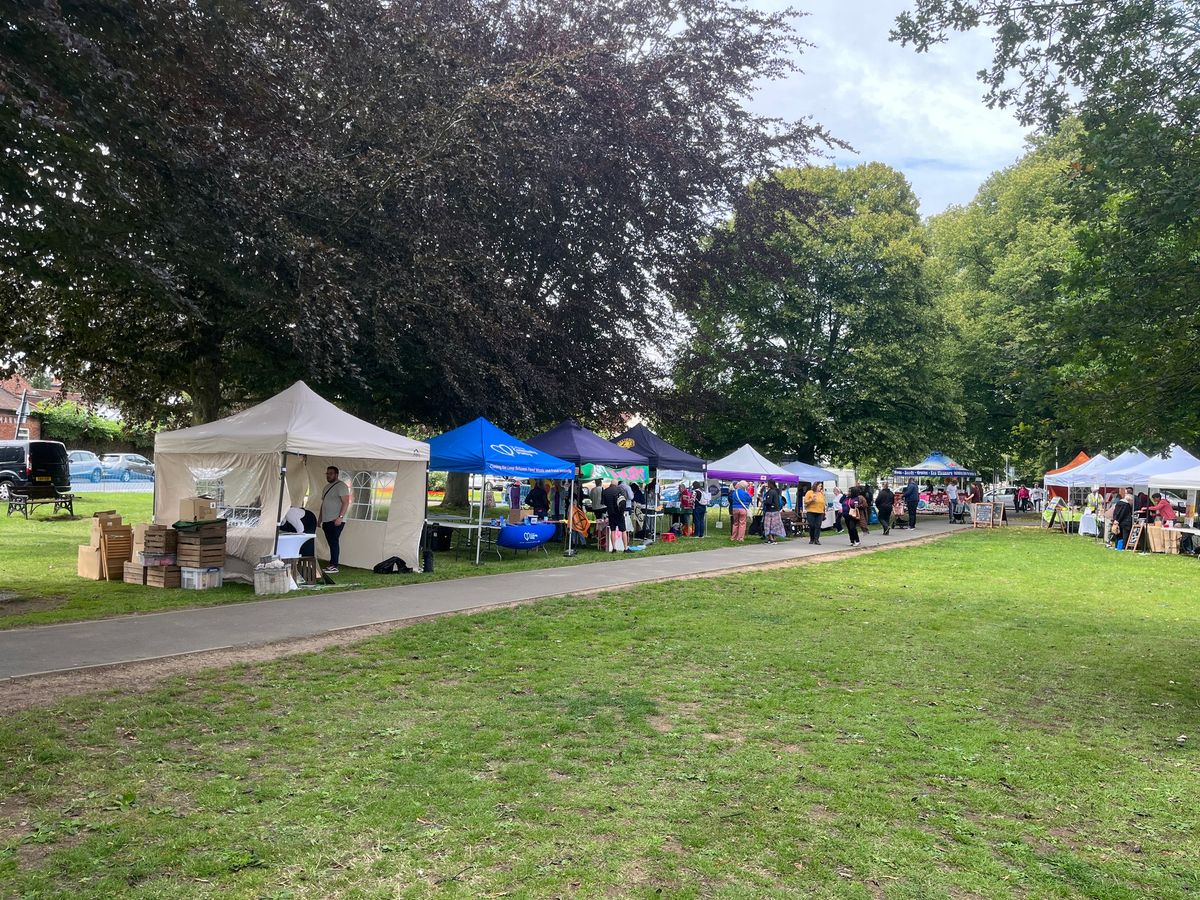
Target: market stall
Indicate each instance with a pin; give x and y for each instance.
(480, 448)
(570, 441)
(1175, 459)
(1055, 491)
(935, 465)
(747, 464)
(252, 462)
(667, 462)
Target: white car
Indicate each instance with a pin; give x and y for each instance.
(1007, 496)
(1178, 502)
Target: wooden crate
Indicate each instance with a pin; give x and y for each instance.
(162, 576)
(160, 540)
(134, 573)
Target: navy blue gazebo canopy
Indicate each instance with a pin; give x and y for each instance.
(658, 452)
(571, 441)
(480, 448)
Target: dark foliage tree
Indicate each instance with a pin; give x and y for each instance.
(814, 333)
(430, 211)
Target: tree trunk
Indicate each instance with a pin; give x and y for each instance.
(456, 489)
(206, 392)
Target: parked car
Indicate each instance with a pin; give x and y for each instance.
(85, 465)
(1007, 496)
(25, 463)
(1178, 502)
(127, 467)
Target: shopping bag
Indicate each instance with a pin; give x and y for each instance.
(616, 542)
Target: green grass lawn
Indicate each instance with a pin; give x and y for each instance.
(999, 714)
(38, 584)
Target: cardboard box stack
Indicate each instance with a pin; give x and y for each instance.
(200, 544)
(110, 547)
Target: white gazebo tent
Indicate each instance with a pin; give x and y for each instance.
(1181, 480)
(275, 454)
(1175, 459)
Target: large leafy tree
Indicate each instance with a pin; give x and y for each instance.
(998, 270)
(1130, 71)
(430, 211)
(814, 332)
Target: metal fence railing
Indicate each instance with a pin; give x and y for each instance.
(113, 487)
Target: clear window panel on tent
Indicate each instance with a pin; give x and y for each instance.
(371, 496)
(238, 494)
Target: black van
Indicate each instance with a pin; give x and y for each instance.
(24, 463)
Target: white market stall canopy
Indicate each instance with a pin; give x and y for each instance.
(273, 455)
(1183, 480)
(1078, 476)
(1176, 459)
(746, 463)
(297, 420)
(1103, 475)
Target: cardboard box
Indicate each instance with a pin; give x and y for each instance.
(88, 565)
(197, 509)
(101, 523)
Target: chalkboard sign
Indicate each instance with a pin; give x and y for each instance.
(1135, 537)
(987, 515)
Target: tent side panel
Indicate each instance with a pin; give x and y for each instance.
(246, 487)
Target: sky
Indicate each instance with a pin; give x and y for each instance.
(922, 114)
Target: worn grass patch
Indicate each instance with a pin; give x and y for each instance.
(1001, 714)
(38, 584)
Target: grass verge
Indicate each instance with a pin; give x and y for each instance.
(38, 584)
(1000, 714)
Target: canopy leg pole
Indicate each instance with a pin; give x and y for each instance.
(570, 551)
(657, 497)
(423, 546)
(478, 534)
(279, 505)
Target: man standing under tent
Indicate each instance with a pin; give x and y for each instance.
(334, 504)
(952, 496)
(912, 496)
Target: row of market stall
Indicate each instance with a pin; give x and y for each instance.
(275, 455)
(1176, 469)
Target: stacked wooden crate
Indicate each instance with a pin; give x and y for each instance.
(153, 562)
(202, 546)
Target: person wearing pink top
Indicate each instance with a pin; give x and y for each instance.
(1162, 509)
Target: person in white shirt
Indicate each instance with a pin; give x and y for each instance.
(952, 496)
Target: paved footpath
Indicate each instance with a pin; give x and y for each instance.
(106, 642)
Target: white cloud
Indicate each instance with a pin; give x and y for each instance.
(920, 113)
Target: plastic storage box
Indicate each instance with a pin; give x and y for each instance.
(201, 579)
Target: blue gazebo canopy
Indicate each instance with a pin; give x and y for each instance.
(481, 448)
(810, 473)
(935, 465)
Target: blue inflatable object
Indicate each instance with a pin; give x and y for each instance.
(525, 537)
